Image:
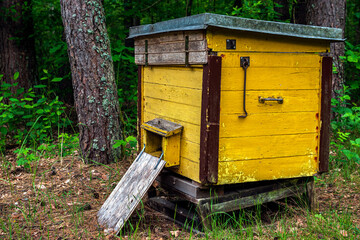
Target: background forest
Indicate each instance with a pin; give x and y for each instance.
(37, 115)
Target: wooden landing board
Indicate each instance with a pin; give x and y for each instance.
(128, 193)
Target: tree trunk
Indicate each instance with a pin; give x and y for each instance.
(17, 48)
(330, 14)
(93, 79)
(188, 7)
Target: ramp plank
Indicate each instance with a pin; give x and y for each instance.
(123, 200)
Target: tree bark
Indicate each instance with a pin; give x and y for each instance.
(188, 7)
(95, 91)
(17, 47)
(330, 14)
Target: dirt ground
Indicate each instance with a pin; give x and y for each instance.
(59, 199)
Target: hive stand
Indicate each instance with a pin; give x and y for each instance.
(225, 198)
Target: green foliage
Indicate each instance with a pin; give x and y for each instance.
(25, 156)
(128, 145)
(346, 128)
(29, 116)
(255, 9)
(352, 70)
(348, 113)
(50, 45)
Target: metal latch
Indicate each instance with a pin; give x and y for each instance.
(280, 100)
(244, 63)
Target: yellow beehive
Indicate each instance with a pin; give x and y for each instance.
(192, 73)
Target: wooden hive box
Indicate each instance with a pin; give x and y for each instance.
(191, 72)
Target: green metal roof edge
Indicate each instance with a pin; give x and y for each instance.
(204, 20)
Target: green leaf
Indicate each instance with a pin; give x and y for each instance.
(40, 86)
(56, 80)
(13, 100)
(58, 113)
(20, 91)
(3, 130)
(28, 106)
(16, 75)
(6, 85)
(352, 58)
(118, 143)
(40, 111)
(45, 71)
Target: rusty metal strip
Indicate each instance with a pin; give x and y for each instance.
(210, 117)
(139, 109)
(326, 79)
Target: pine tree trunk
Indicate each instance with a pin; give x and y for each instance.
(330, 14)
(95, 91)
(17, 48)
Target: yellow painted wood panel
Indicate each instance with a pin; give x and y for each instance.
(189, 96)
(268, 124)
(188, 169)
(271, 60)
(267, 169)
(270, 78)
(247, 41)
(190, 132)
(174, 76)
(294, 101)
(258, 147)
(190, 150)
(181, 112)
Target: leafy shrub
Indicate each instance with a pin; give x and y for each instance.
(29, 117)
(348, 113)
(255, 9)
(352, 70)
(128, 145)
(346, 129)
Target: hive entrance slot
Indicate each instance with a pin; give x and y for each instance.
(163, 136)
(153, 143)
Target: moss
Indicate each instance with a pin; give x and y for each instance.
(91, 99)
(95, 146)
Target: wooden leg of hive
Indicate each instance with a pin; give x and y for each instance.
(203, 209)
(311, 197)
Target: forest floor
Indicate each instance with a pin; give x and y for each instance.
(59, 199)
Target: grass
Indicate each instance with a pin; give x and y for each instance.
(58, 198)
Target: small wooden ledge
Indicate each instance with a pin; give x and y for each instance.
(162, 127)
